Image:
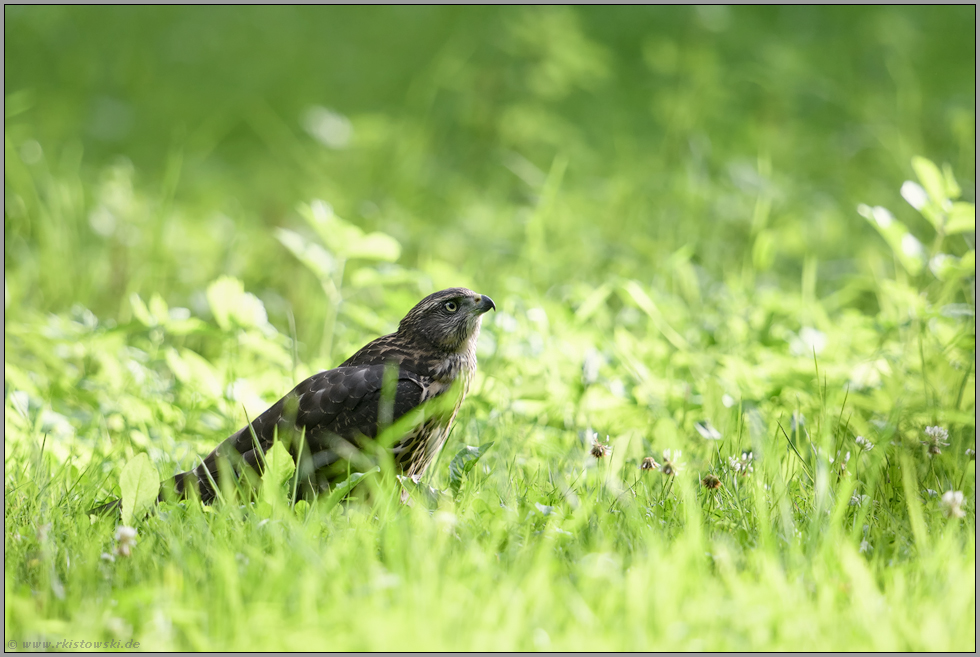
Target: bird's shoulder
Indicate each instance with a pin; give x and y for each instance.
(346, 385)
(340, 400)
(402, 350)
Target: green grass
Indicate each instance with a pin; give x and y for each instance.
(680, 214)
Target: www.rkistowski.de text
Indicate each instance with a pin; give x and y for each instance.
(70, 644)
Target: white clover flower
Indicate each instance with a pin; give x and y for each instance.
(952, 504)
(865, 444)
(711, 481)
(672, 462)
(125, 540)
(742, 465)
(938, 438)
(600, 450)
(649, 463)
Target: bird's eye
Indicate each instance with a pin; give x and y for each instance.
(451, 306)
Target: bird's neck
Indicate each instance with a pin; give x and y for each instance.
(443, 366)
(447, 367)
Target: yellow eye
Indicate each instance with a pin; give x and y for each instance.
(451, 306)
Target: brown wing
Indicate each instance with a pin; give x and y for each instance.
(323, 420)
(391, 348)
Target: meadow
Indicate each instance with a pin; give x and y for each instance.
(739, 242)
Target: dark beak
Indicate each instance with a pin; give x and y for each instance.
(484, 303)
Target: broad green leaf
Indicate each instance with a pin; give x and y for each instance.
(195, 371)
(463, 462)
(140, 311)
(222, 295)
(312, 255)
(232, 306)
(904, 245)
(913, 193)
(962, 219)
(953, 190)
(969, 261)
(428, 495)
(159, 310)
(180, 369)
(375, 246)
(365, 317)
(279, 467)
(931, 179)
(140, 484)
(390, 275)
(203, 375)
(291, 240)
(343, 238)
(185, 326)
(263, 509)
(346, 486)
(279, 464)
(250, 312)
(335, 233)
(946, 267)
(260, 344)
(919, 199)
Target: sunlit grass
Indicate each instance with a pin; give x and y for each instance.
(710, 245)
(812, 534)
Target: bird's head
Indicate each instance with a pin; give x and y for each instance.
(449, 319)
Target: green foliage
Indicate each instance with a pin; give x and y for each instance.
(934, 199)
(464, 461)
(277, 476)
(343, 242)
(665, 204)
(342, 489)
(140, 484)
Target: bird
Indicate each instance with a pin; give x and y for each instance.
(330, 422)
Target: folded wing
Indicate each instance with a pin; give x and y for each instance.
(324, 420)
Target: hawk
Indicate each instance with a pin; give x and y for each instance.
(328, 420)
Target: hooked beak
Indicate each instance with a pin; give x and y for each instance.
(484, 303)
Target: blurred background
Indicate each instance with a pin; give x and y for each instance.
(742, 234)
(153, 149)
